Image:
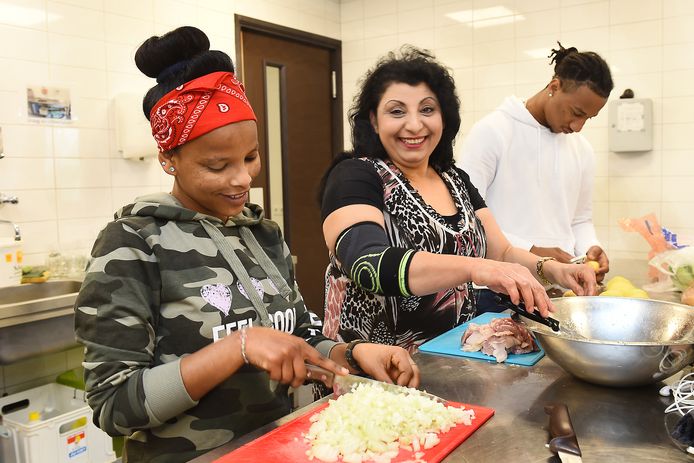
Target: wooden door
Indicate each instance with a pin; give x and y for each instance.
(306, 70)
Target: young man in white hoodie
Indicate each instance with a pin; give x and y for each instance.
(534, 170)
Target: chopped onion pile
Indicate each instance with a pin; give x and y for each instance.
(371, 423)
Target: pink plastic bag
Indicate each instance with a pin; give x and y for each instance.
(651, 231)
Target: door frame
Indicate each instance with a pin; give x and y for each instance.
(245, 23)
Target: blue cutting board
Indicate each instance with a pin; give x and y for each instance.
(449, 344)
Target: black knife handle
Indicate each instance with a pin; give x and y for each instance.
(561, 430)
(505, 301)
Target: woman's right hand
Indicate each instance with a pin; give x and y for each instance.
(514, 280)
(284, 356)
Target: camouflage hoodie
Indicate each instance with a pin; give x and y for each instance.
(163, 282)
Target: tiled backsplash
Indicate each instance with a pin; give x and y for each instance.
(70, 179)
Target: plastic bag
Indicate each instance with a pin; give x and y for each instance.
(678, 266)
(648, 227)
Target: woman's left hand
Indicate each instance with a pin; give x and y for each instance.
(390, 364)
(580, 278)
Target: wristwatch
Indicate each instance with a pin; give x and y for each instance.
(350, 356)
(540, 270)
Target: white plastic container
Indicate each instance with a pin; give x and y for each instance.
(10, 263)
(51, 424)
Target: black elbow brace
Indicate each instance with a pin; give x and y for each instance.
(372, 263)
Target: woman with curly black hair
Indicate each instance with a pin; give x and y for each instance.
(407, 232)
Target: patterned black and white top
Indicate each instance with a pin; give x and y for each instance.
(353, 313)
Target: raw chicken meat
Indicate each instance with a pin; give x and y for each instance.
(498, 338)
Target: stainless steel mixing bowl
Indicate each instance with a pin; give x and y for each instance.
(617, 341)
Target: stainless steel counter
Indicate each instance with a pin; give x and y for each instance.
(612, 425)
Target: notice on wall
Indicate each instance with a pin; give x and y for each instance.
(630, 117)
(49, 103)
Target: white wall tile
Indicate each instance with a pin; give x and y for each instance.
(351, 10)
(18, 73)
(378, 8)
(597, 136)
(635, 189)
(133, 172)
(406, 5)
(635, 164)
(75, 20)
(678, 214)
(13, 109)
(376, 26)
(90, 112)
(678, 56)
(355, 30)
(635, 61)
(452, 36)
(629, 11)
(26, 173)
(595, 39)
(678, 188)
(78, 235)
(495, 75)
(72, 142)
(539, 23)
(636, 35)
(378, 46)
(27, 141)
(677, 83)
(121, 58)
(89, 83)
(141, 9)
(678, 29)
(456, 57)
(677, 136)
(80, 203)
(76, 51)
(24, 13)
(39, 236)
(79, 173)
(678, 8)
(678, 162)
(422, 39)
(127, 30)
(414, 20)
(584, 16)
(34, 205)
(493, 52)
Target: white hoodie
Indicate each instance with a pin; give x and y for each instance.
(538, 184)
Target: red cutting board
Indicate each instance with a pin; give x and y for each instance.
(286, 444)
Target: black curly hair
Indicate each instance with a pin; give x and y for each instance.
(574, 68)
(175, 58)
(410, 66)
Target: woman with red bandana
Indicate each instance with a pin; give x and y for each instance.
(189, 313)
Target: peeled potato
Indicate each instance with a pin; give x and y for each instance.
(594, 265)
(637, 292)
(612, 292)
(569, 293)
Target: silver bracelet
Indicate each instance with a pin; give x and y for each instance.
(243, 344)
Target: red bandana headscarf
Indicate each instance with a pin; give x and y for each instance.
(197, 107)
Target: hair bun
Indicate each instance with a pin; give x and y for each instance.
(158, 53)
(558, 55)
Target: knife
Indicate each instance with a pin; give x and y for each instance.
(342, 384)
(564, 442)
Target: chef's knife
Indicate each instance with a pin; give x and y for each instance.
(343, 384)
(504, 301)
(564, 442)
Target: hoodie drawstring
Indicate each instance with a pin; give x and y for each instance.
(266, 264)
(230, 256)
